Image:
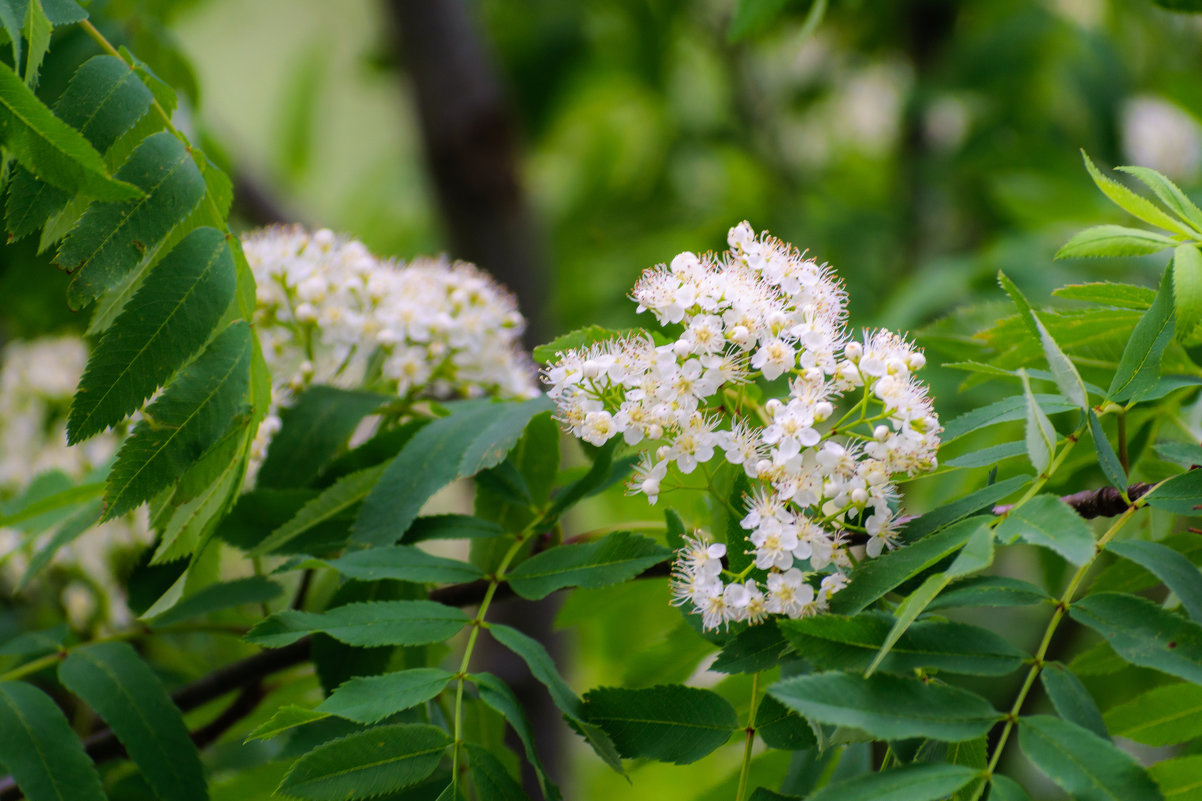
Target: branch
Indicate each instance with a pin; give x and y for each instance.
(1103, 502)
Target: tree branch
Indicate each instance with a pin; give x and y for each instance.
(1103, 502)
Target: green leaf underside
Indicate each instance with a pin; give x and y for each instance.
(114, 681)
(543, 669)
(1040, 436)
(221, 596)
(873, 578)
(1108, 460)
(1132, 203)
(1187, 292)
(403, 563)
(497, 695)
(888, 707)
(851, 643)
(1072, 701)
(195, 409)
(610, 560)
(368, 699)
(1161, 716)
(1085, 765)
(906, 783)
(50, 148)
(668, 723)
(1178, 573)
(366, 764)
(1168, 193)
(103, 100)
(1114, 241)
(166, 321)
(427, 463)
(1047, 521)
(337, 499)
(111, 239)
(1143, 633)
(39, 749)
(365, 624)
(314, 430)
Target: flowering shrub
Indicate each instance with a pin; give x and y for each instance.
(822, 460)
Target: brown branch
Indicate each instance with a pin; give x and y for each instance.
(1102, 502)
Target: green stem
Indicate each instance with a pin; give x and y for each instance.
(745, 772)
(476, 624)
(1038, 662)
(1043, 477)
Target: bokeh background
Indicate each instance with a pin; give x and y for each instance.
(919, 146)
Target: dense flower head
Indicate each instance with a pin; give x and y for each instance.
(329, 312)
(844, 419)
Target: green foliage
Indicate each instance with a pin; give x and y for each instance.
(610, 560)
(402, 563)
(365, 624)
(1046, 521)
(1166, 715)
(669, 723)
(1072, 701)
(905, 783)
(128, 696)
(370, 699)
(367, 764)
(1143, 633)
(1082, 763)
(37, 745)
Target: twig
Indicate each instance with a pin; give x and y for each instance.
(1102, 502)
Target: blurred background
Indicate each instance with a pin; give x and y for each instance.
(919, 146)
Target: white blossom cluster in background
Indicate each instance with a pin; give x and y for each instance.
(37, 381)
(822, 458)
(329, 312)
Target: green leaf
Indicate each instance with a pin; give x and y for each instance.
(888, 707)
(36, 643)
(314, 429)
(779, 727)
(221, 596)
(1064, 372)
(919, 782)
(981, 500)
(112, 239)
(580, 338)
(369, 699)
(610, 560)
(50, 148)
(1172, 197)
(1049, 522)
(367, 763)
(872, 578)
(75, 526)
(1139, 366)
(37, 33)
(1114, 240)
(1143, 633)
(543, 669)
(1178, 778)
(12, 26)
(1107, 460)
(1085, 765)
(192, 414)
(851, 643)
(755, 649)
(1072, 701)
(1185, 454)
(114, 681)
(365, 624)
(339, 498)
(668, 723)
(491, 778)
(403, 563)
(286, 717)
(989, 591)
(1003, 788)
(1135, 205)
(1109, 293)
(476, 435)
(1026, 315)
(990, 456)
(1181, 494)
(1002, 411)
(1187, 292)
(1178, 573)
(1040, 435)
(38, 748)
(496, 694)
(1167, 715)
(168, 320)
(451, 527)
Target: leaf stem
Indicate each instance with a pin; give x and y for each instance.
(1038, 663)
(745, 771)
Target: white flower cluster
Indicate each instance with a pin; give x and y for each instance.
(822, 459)
(37, 381)
(329, 312)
